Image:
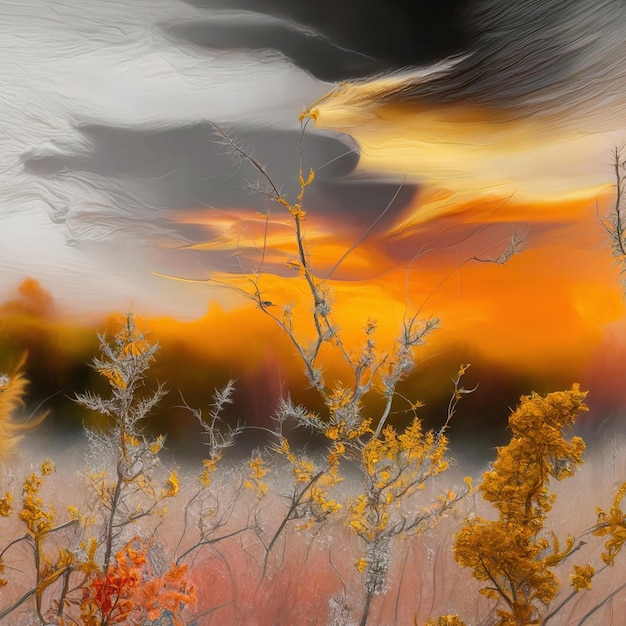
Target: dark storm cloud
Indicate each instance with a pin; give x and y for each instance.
(393, 34)
(106, 144)
(538, 57)
(310, 51)
(191, 167)
(543, 57)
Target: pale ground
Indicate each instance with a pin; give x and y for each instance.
(308, 574)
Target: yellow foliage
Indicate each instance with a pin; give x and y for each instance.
(581, 577)
(323, 504)
(310, 113)
(12, 390)
(303, 470)
(445, 620)
(135, 347)
(38, 520)
(258, 469)
(127, 357)
(5, 504)
(130, 440)
(361, 564)
(157, 445)
(89, 565)
(396, 466)
(172, 485)
(612, 524)
(357, 519)
(75, 514)
(100, 484)
(114, 375)
(210, 466)
(47, 467)
(510, 554)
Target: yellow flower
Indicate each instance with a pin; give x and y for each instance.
(114, 375)
(135, 348)
(361, 564)
(157, 445)
(303, 470)
(5, 504)
(209, 467)
(510, 553)
(581, 577)
(47, 467)
(309, 113)
(73, 512)
(257, 471)
(131, 440)
(172, 485)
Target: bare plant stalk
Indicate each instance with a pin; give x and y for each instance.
(290, 515)
(614, 223)
(219, 437)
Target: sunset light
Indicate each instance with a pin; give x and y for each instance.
(312, 313)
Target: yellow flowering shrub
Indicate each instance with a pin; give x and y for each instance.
(512, 554)
(394, 465)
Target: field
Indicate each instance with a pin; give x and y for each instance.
(114, 528)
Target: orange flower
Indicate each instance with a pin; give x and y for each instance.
(129, 592)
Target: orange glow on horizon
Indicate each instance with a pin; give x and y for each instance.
(549, 303)
(550, 308)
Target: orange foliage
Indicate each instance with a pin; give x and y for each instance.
(31, 299)
(129, 592)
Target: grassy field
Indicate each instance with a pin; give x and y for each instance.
(118, 530)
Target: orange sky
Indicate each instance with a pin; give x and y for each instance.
(556, 307)
(551, 302)
(550, 311)
(554, 311)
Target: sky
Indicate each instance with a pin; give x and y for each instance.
(442, 131)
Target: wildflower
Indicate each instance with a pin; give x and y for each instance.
(612, 524)
(172, 485)
(157, 445)
(124, 361)
(361, 564)
(47, 467)
(257, 471)
(210, 466)
(73, 512)
(509, 554)
(581, 577)
(5, 504)
(129, 591)
(88, 563)
(38, 519)
(310, 113)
